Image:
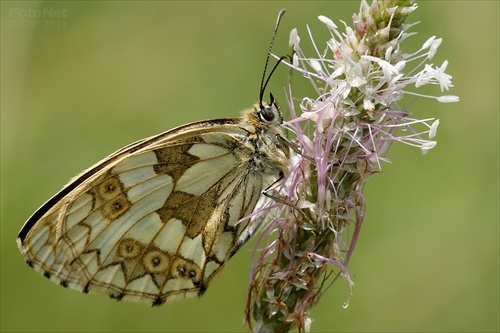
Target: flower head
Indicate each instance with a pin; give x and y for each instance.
(343, 134)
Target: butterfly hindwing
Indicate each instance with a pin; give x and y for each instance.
(158, 219)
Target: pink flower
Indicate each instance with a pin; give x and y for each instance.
(343, 132)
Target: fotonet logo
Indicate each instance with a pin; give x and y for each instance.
(26, 17)
(38, 13)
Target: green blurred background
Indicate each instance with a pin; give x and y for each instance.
(78, 87)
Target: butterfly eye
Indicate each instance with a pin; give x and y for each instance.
(270, 113)
(266, 114)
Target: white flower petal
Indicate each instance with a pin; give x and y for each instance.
(395, 79)
(443, 79)
(368, 105)
(388, 53)
(433, 129)
(400, 65)
(427, 146)
(434, 47)
(448, 99)
(383, 34)
(428, 42)
(294, 39)
(408, 10)
(329, 23)
(316, 65)
(307, 324)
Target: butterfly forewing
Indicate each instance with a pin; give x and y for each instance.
(158, 219)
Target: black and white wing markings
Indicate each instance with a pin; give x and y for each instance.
(157, 220)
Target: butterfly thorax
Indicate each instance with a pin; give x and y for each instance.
(263, 124)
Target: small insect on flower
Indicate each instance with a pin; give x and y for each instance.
(158, 219)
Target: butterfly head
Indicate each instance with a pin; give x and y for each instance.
(270, 114)
(263, 117)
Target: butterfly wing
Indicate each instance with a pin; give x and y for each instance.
(155, 221)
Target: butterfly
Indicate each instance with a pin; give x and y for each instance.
(156, 220)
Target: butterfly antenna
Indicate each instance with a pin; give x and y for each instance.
(264, 82)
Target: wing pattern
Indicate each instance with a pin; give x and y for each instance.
(158, 219)
(156, 225)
